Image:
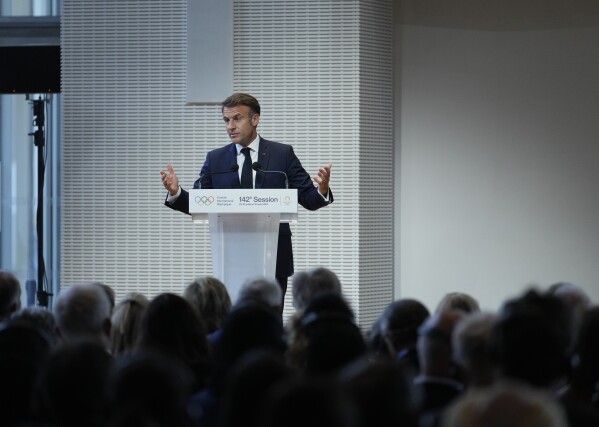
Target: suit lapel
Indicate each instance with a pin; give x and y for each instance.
(231, 160)
(263, 158)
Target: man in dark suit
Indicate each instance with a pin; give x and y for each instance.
(241, 114)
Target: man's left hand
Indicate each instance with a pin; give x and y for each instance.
(323, 178)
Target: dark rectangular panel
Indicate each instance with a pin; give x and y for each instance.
(29, 69)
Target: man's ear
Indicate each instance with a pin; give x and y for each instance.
(15, 306)
(255, 119)
(107, 326)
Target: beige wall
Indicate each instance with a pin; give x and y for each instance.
(496, 137)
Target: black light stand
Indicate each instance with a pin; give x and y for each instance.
(39, 141)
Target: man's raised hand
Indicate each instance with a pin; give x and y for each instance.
(323, 178)
(170, 180)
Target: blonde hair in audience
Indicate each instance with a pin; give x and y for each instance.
(210, 298)
(126, 319)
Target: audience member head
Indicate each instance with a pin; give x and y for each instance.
(586, 368)
(126, 320)
(210, 298)
(332, 338)
(72, 390)
(380, 391)
(301, 402)
(434, 344)
(251, 380)
(458, 301)
(505, 405)
(173, 328)
(532, 337)
(264, 290)
(109, 293)
(306, 285)
(575, 298)
(571, 294)
(250, 327)
(40, 318)
(146, 389)
(83, 312)
(23, 352)
(396, 330)
(10, 295)
(472, 348)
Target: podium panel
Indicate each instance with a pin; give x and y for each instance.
(244, 230)
(243, 246)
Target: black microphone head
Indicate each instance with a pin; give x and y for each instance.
(234, 167)
(257, 166)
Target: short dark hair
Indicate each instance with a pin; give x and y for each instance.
(241, 99)
(532, 337)
(10, 292)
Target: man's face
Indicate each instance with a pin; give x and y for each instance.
(241, 124)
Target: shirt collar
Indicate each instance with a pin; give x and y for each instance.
(254, 145)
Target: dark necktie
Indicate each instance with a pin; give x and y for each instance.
(247, 178)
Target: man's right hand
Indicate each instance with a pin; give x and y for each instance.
(170, 180)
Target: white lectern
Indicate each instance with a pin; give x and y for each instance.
(244, 230)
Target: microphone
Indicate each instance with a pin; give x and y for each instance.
(233, 168)
(258, 168)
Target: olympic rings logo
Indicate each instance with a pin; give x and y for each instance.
(204, 200)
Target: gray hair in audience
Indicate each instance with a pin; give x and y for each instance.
(10, 294)
(82, 311)
(262, 289)
(306, 285)
(472, 349)
(505, 405)
(210, 298)
(109, 293)
(458, 301)
(571, 294)
(576, 299)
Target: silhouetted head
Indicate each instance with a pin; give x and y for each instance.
(173, 328)
(302, 402)
(250, 382)
(23, 353)
(72, 389)
(532, 337)
(381, 393)
(249, 327)
(397, 328)
(10, 295)
(146, 389)
(332, 338)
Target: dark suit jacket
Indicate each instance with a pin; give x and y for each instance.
(272, 156)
